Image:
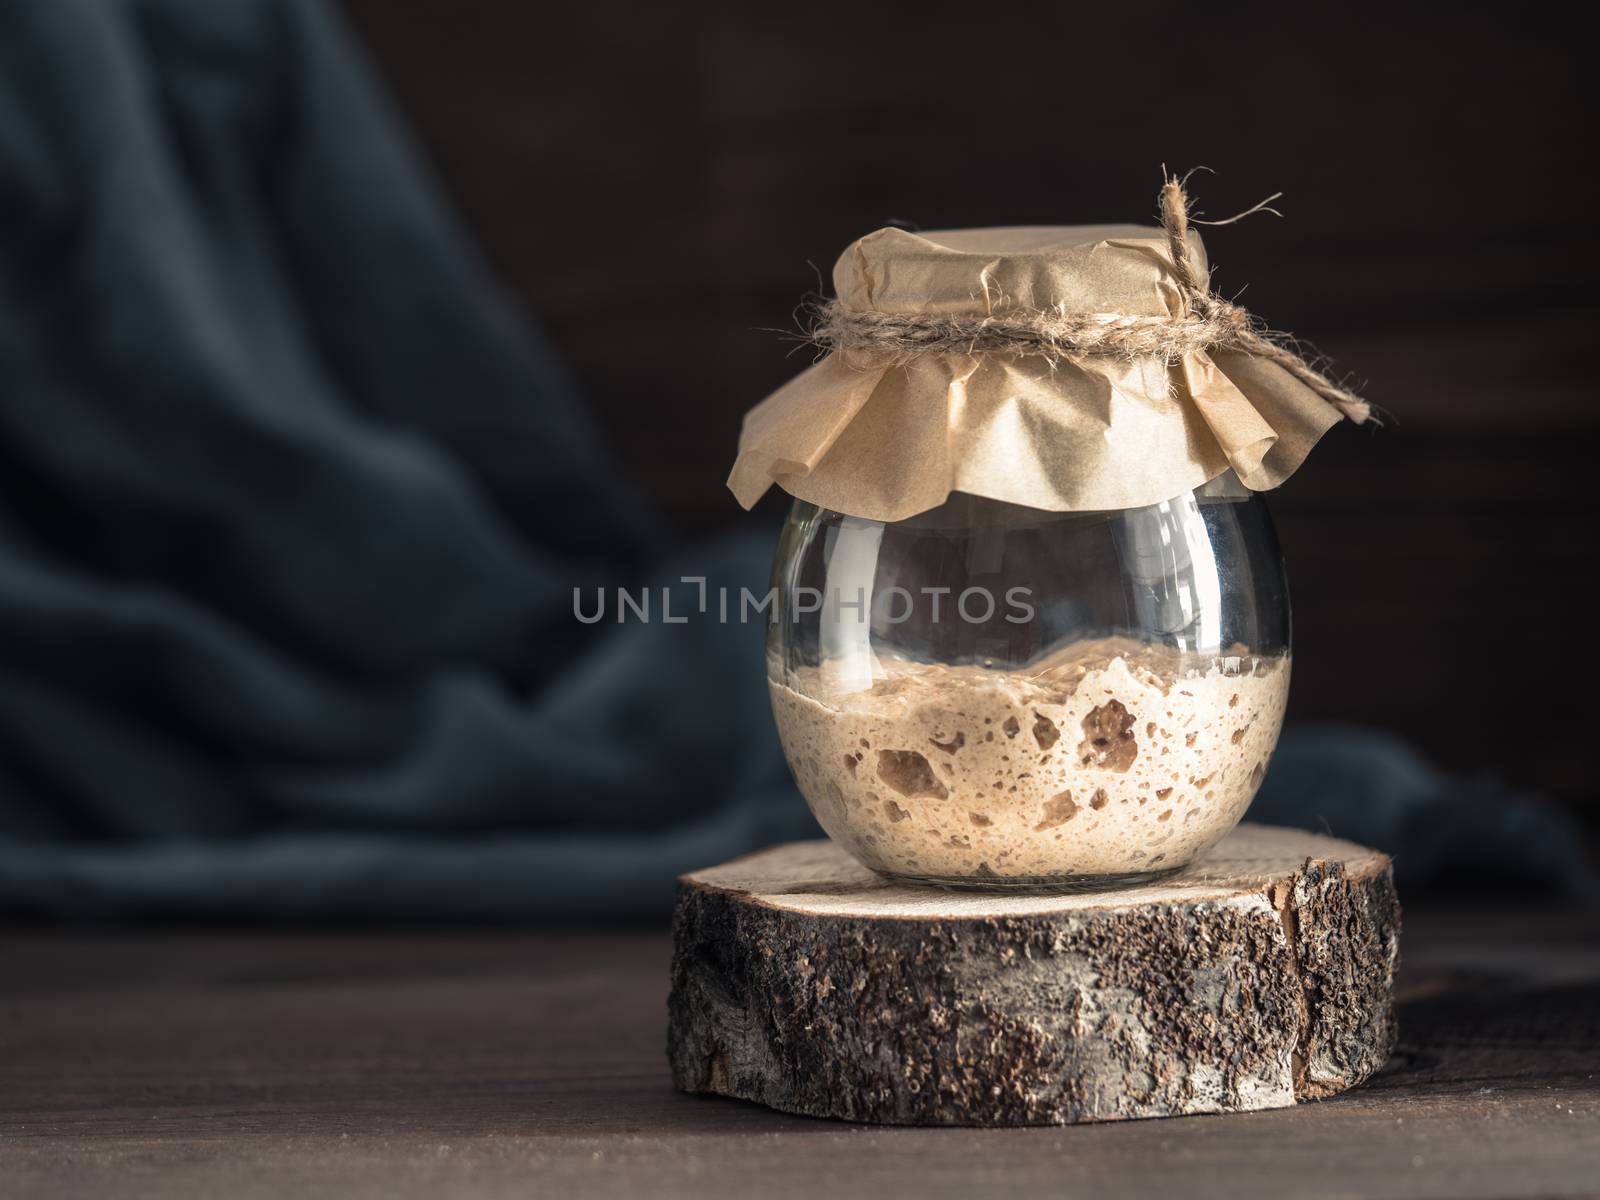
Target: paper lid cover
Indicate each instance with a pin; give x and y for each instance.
(886, 440)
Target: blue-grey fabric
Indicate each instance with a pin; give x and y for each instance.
(292, 506)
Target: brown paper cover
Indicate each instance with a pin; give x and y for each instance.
(886, 442)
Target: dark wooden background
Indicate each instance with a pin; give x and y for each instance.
(654, 183)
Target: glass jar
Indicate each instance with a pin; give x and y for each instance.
(992, 696)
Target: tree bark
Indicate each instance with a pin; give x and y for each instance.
(1258, 977)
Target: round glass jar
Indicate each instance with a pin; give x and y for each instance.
(990, 696)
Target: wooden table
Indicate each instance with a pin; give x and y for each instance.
(229, 1062)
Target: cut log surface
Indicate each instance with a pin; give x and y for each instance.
(1260, 976)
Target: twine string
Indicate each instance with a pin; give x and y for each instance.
(1208, 322)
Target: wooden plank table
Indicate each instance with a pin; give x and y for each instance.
(257, 1063)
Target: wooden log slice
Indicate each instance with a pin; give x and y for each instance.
(1260, 976)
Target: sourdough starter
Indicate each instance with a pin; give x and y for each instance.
(1110, 757)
